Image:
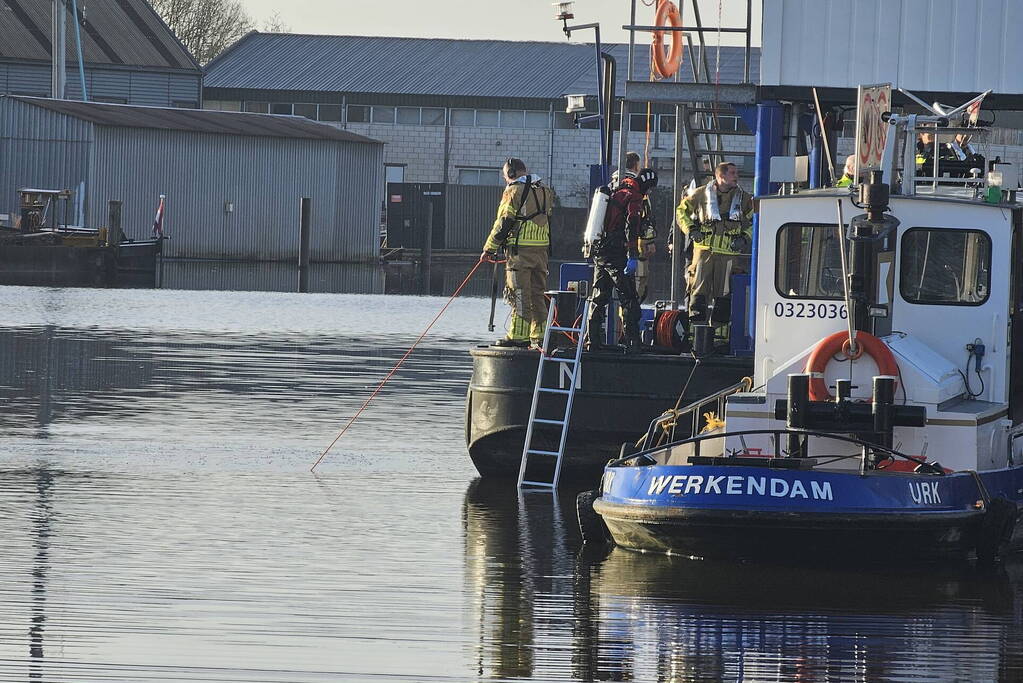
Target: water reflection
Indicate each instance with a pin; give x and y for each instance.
(548, 610)
(402, 277)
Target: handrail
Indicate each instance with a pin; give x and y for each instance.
(699, 438)
(691, 409)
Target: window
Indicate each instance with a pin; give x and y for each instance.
(433, 116)
(479, 176)
(223, 105)
(945, 267)
(184, 104)
(306, 110)
(111, 100)
(537, 119)
(408, 115)
(513, 118)
(563, 121)
(281, 108)
(637, 122)
(329, 112)
(487, 118)
(258, 107)
(809, 263)
(357, 113)
(667, 123)
(463, 117)
(394, 173)
(383, 114)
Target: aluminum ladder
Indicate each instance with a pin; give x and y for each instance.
(531, 455)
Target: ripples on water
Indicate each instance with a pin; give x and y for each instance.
(160, 522)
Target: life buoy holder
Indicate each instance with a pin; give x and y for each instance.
(831, 345)
(667, 63)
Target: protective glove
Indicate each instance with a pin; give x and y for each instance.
(631, 265)
(488, 257)
(739, 244)
(696, 235)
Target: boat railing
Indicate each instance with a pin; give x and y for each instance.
(665, 424)
(795, 450)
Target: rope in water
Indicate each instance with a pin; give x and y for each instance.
(398, 364)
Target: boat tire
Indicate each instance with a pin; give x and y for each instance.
(996, 530)
(591, 525)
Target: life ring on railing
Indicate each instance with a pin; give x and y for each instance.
(666, 64)
(839, 341)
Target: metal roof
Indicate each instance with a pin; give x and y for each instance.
(428, 66)
(126, 33)
(196, 120)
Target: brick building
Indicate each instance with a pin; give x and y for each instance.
(451, 111)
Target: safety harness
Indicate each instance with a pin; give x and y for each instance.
(512, 225)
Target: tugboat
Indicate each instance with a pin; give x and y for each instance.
(40, 250)
(888, 361)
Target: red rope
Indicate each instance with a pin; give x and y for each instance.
(398, 364)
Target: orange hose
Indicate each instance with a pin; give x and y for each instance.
(398, 364)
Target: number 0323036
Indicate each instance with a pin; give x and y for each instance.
(811, 309)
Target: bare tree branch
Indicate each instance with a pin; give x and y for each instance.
(274, 24)
(206, 27)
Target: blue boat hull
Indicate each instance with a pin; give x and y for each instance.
(729, 512)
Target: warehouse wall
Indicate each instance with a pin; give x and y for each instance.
(238, 197)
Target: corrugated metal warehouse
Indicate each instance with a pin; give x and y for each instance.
(130, 55)
(233, 181)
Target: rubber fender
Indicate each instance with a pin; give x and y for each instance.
(591, 525)
(996, 530)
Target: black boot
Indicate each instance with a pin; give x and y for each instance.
(595, 332)
(632, 342)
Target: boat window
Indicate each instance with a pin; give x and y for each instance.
(945, 267)
(808, 262)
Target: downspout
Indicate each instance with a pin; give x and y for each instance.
(550, 147)
(78, 46)
(58, 76)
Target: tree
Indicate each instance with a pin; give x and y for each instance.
(206, 27)
(275, 24)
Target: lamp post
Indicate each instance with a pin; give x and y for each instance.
(564, 13)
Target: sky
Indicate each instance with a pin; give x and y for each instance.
(488, 19)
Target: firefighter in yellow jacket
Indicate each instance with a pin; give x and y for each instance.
(718, 218)
(522, 228)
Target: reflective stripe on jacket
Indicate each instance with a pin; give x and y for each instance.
(534, 232)
(718, 234)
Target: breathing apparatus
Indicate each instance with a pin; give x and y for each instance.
(595, 221)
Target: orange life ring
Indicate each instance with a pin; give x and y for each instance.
(666, 64)
(839, 341)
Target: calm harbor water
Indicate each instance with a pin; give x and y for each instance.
(160, 522)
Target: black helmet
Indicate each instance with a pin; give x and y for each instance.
(647, 179)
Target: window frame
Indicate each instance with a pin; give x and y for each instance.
(478, 170)
(364, 108)
(778, 251)
(903, 253)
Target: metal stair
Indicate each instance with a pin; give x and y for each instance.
(531, 455)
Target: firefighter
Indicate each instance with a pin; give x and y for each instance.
(848, 173)
(717, 218)
(522, 228)
(648, 231)
(615, 259)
